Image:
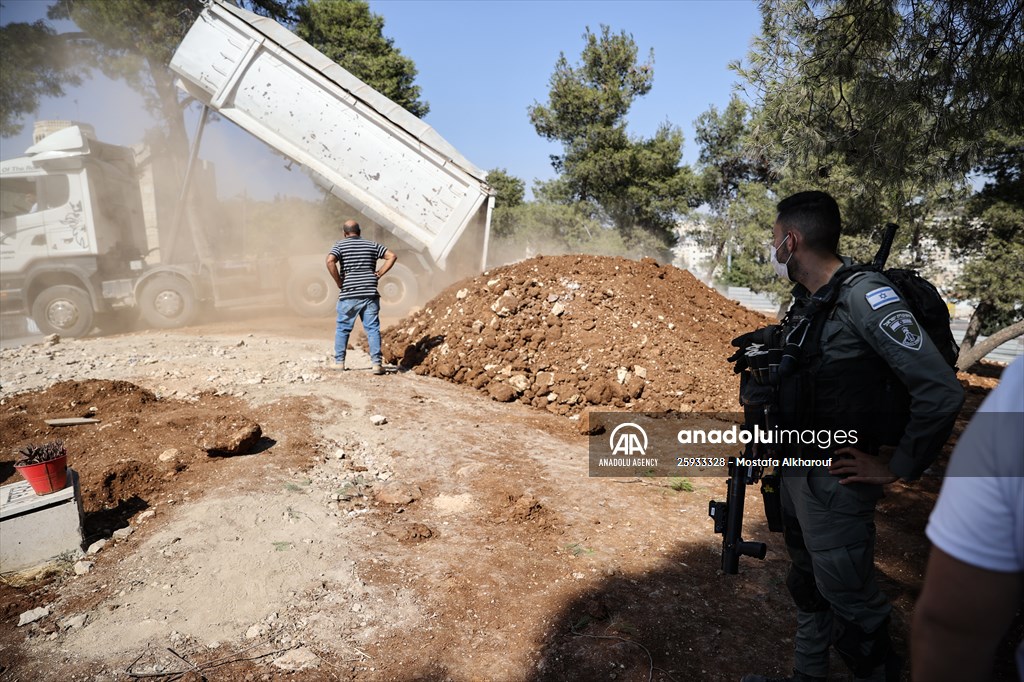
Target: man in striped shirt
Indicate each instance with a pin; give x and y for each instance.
(353, 267)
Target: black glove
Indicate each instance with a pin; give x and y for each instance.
(752, 342)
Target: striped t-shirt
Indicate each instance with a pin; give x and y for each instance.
(358, 260)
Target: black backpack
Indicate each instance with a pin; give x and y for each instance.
(921, 296)
(930, 311)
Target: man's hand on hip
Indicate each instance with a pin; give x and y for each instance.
(856, 466)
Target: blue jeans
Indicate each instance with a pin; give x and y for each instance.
(366, 309)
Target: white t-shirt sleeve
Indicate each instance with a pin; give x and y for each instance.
(979, 517)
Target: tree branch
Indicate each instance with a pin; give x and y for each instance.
(971, 355)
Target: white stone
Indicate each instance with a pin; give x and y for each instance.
(378, 420)
(35, 614)
(640, 371)
(519, 382)
(95, 547)
(557, 309)
(83, 567)
(297, 659)
(461, 294)
(74, 621)
(123, 533)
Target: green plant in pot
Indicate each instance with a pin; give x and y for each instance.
(44, 466)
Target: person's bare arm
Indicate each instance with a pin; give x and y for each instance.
(962, 614)
(389, 262)
(332, 267)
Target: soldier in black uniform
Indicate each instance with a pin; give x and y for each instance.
(859, 356)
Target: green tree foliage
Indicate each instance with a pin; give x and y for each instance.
(901, 93)
(507, 204)
(990, 239)
(510, 189)
(638, 185)
(890, 105)
(34, 63)
(133, 41)
(351, 35)
(724, 166)
(752, 213)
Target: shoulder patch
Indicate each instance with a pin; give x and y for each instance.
(901, 327)
(882, 296)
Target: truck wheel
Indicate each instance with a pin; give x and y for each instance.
(398, 290)
(311, 294)
(167, 302)
(64, 310)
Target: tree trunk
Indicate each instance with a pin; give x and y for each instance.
(970, 355)
(173, 115)
(974, 328)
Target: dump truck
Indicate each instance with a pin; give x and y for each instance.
(75, 248)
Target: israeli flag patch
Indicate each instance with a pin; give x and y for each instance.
(880, 297)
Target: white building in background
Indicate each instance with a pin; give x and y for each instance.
(690, 254)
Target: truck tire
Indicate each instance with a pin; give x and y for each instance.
(311, 294)
(167, 302)
(399, 290)
(63, 309)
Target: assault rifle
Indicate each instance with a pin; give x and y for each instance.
(728, 515)
(761, 357)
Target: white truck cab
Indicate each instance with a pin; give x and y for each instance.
(72, 238)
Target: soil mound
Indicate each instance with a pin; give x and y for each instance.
(567, 332)
(141, 446)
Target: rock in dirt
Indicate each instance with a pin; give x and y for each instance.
(397, 492)
(591, 423)
(378, 420)
(297, 659)
(95, 547)
(33, 615)
(74, 621)
(412, 532)
(82, 567)
(525, 508)
(122, 533)
(169, 455)
(236, 435)
(501, 391)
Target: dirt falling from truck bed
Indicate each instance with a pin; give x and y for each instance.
(567, 332)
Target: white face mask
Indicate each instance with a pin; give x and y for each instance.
(781, 269)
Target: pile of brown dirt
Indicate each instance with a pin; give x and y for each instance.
(567, 332)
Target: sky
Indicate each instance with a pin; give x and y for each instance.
(481, 64)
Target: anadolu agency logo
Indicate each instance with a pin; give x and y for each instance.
(628, 440)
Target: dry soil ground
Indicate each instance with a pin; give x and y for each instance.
(460, 540)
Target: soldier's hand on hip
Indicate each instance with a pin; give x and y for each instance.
(856, 466)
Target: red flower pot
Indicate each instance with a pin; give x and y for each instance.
(46, 477)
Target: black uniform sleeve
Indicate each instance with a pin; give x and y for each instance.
(890, 329)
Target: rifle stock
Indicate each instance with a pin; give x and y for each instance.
(728, 517)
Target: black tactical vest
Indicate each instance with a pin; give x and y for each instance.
(861, 394)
